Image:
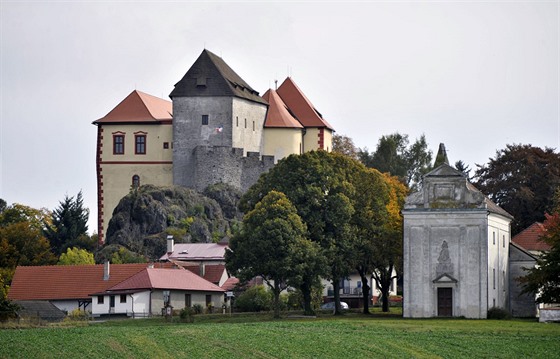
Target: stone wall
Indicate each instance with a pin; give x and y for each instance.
(215, 164)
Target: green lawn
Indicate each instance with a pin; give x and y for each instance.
(350, 336)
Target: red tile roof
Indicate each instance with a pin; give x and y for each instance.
(529, 238)
(212, 272)
(161, 278)
(67, 282)
(197, 251)
(278, 114)
(230, 283)
(300, 106)
(139, 107)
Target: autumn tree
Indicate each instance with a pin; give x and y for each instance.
(544, 279)
(76, 256)
(21, 239)
(521, 179)
(394, 155)
(269, 245)
(68, 225)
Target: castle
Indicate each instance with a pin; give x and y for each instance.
(215, 129)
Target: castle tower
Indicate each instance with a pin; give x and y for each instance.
(214, 110)
(133, 148)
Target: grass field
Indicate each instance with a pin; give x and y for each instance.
(349, 336)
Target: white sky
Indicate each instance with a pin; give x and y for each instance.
(475, 75)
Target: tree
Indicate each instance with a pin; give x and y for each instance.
(76, 256)
(344, 145)
(393, 155)
(326, 189)
(21, 239)
(68, 224)
(544, 279)
(461, 166)
(521, 179)
(268, 244)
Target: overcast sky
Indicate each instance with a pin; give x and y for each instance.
(474, 75)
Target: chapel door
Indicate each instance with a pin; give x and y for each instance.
(445, 302)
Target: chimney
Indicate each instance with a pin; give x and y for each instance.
(202, 269)
(106, 270)
(170, 244)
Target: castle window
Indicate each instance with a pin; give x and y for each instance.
(493, 237)
(204, 119)
(165, 145)
(236, 121)
(118, 144)
(135, 181)
(253, 126)
(245, 123)
(140, 144)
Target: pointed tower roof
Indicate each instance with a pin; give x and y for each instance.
(210, 76)
(139, 107)
(278, 115)
(441, 157)
(300, 106)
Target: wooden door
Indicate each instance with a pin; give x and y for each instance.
(445, 302)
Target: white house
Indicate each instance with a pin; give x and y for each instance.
(152, 290)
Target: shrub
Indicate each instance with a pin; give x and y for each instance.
(197, 309)
(497, 313)
(254, 299)
(187, 315)
(77, 314)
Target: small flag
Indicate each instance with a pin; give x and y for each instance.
(219, 129)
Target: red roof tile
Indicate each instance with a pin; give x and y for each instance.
(278, 114)
(67, 282)
(230, 283)
(529, 238)
(161, 278)
(212, 272)
(300, 106)
(139, 107)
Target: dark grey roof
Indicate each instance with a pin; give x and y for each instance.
(40, 309)
(210, 76)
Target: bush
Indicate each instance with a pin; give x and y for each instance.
(187, 315)
(197, 309)
(254, 299)
(497, 313)
(77, 314)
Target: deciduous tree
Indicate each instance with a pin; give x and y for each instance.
(344, 145)
(521, 179)
(269, 244)
(76, 256)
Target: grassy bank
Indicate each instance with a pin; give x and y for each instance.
(352, 335)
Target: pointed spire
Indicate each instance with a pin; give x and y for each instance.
(441, 157)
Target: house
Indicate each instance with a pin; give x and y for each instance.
(209, 253)
(351, 290)
(520, 305)
(455, 249)
(529, 239)
(151, 290)
(216, 129)
(69, 287)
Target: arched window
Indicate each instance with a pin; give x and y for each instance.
(135, 181)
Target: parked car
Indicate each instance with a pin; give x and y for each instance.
(330, 306)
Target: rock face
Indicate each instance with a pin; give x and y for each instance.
(143, 219)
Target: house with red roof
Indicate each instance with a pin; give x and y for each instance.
(152, 290)
(69, 287)
(529, 239)
(216, 128)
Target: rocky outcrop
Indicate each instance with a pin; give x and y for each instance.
(143, 219)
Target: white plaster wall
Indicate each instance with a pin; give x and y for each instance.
(498, 254)
(247, 124)
(465, 233)
(68, 305)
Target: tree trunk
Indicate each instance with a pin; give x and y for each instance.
(336, 288)
(385, 298)
(365, 290)
(306, 292)
(276, 304)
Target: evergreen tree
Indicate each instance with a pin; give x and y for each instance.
(68, 224)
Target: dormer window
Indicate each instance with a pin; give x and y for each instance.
(201, 81)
